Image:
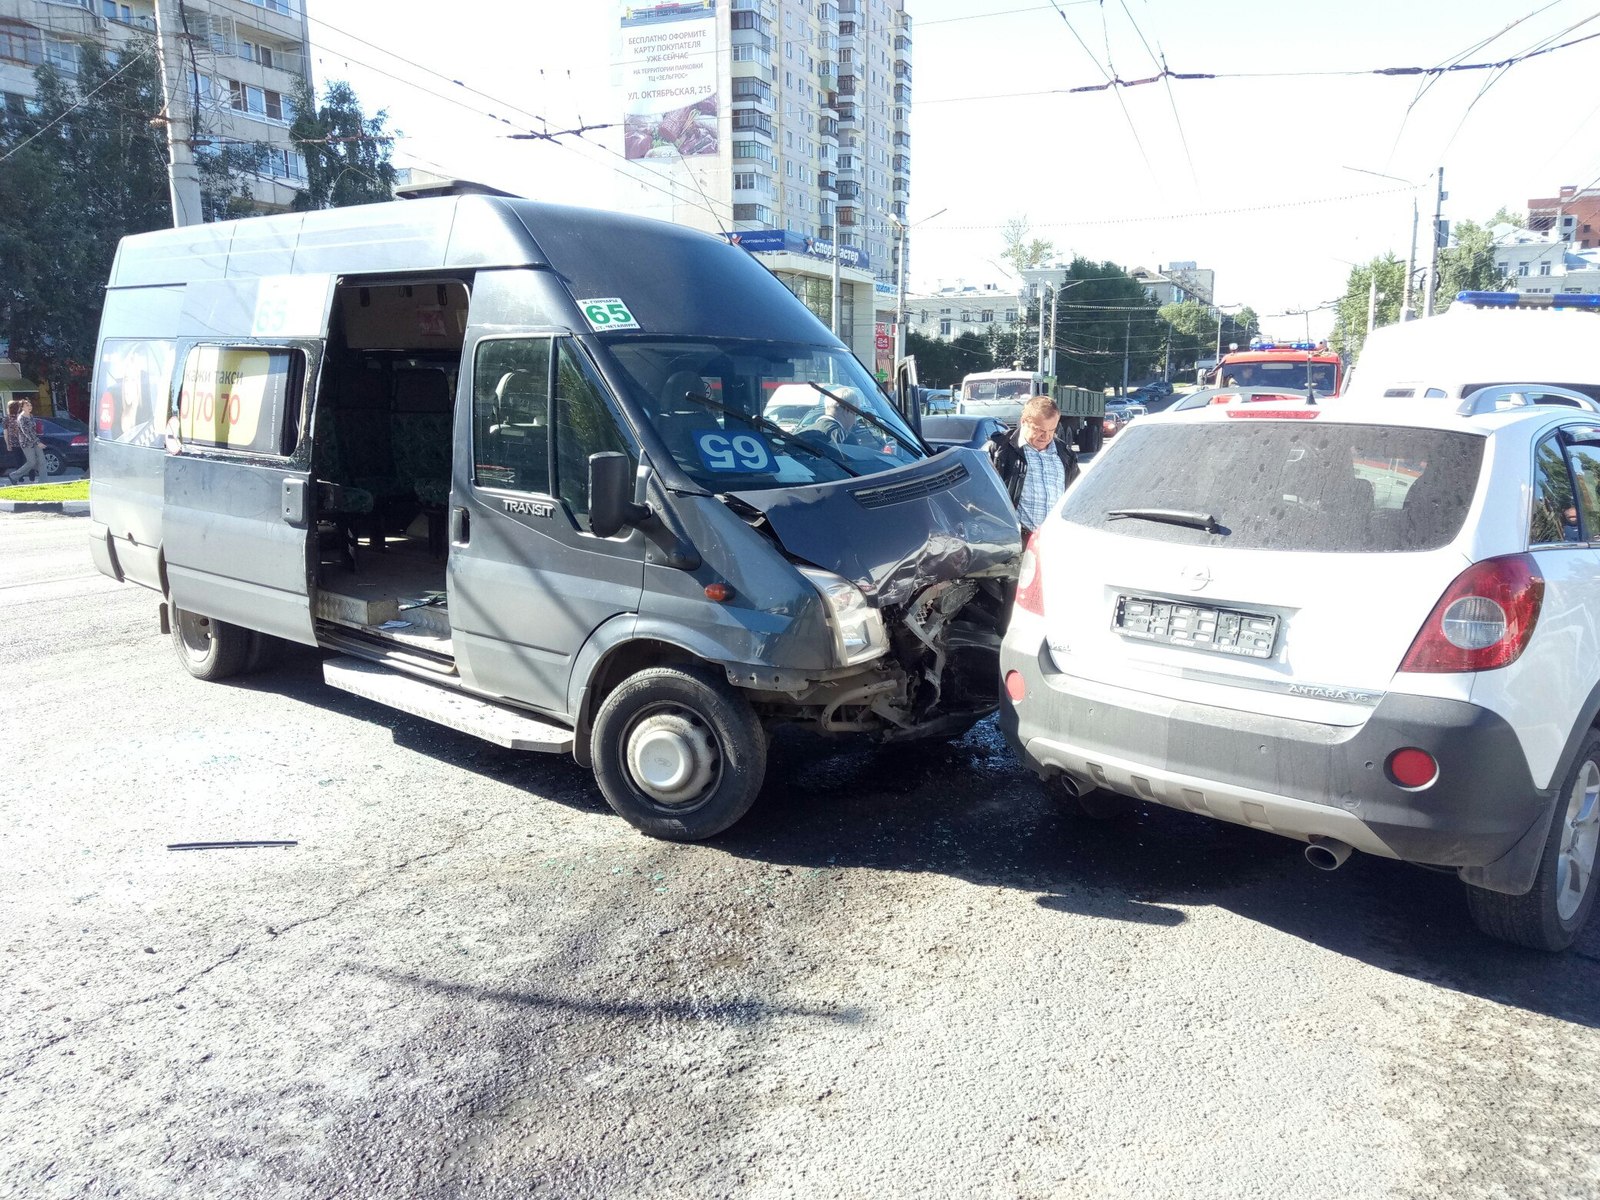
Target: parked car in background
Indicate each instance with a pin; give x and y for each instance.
(1205, 397)
(943, 432)
(66, 445)
(1365, 626)
(938, 400)
(790, 415)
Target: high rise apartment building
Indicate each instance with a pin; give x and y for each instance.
(247, 60)
(784, 124)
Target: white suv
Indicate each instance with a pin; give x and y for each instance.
(1369, 626)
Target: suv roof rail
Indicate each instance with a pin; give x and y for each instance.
(1498, 397)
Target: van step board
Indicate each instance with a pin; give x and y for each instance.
(492, 722)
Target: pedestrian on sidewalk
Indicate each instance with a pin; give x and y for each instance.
(22, 433)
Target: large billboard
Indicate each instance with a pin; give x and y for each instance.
(669, 73)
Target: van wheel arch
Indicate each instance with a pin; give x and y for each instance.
(617, 664)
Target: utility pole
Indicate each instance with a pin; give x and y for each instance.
(1042, 287)
(183, 178)
(900, 308)
(835, 322)
(1127, 346)
(1372, 302)
(1408, 311)
(1433, 255)
(1055, 309)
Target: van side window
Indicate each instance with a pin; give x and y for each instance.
(1551, 523)
(511, 415)
(243, 398)
(135, 391)
(584, 426)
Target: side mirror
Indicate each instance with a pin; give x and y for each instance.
(611, 505)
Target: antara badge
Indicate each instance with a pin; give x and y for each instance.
(1194, 577)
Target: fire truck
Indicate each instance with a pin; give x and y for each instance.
(1293, 365)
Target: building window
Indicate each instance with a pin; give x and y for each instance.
(1011, 315)
(986, 315)
(944, 328)
(1522, 268)
(1544, 268)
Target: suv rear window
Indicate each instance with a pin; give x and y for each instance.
(1286, 485)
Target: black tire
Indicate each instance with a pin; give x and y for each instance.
(265, 651)
(690, 713)
(1089, 438)
(209, 649)
(1555, 910)
(54, 464)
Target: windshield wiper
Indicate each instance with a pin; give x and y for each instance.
(1168, 516)
(784, 436)
(918, 451)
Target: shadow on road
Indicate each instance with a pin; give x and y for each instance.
(969, 810)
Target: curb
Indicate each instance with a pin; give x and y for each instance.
(71, 508)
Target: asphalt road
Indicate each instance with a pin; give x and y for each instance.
(905, 974)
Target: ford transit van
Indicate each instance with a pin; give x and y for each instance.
(510, 463)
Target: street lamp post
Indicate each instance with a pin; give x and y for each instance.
(900, 284)
(1408, 311)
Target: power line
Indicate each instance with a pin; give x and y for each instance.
(1110, 77)
(74, 106)
(1161, 63)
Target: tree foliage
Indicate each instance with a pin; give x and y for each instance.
(1468, 265)
(83, 169)
(1350, 313)
(1103, 318)
(1021, 251)
(346, 152)
(942, 364)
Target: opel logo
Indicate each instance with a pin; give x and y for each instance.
(1194, 577)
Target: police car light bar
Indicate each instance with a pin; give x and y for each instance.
(1522, 300)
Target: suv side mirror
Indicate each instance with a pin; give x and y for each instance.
(611, 504)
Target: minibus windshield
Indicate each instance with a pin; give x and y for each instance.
(746, 415)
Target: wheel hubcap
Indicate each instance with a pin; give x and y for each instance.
(1579, 836)
(196, 632)
(672, 757)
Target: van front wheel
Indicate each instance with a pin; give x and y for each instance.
(208, 648)
(679, 754)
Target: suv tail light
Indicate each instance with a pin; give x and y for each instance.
(1483, 620)
(1030, 579)
(80, 440)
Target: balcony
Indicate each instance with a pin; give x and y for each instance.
(899, 208)
(847, 115)
(902, 70)
(847, 29)
(752, 90)
(847, 85)
(902, 45)
(825, 232)
(759, 213)
(748, 120)
(847, 218)
(827, 181)
(900, 164)
(828, 127)
(902, 93)
(902, 185)
(848, 192)
(902, 140)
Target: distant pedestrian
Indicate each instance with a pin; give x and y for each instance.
(1034, 463)
(22, 433)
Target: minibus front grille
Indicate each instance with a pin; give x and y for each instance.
(915, 489)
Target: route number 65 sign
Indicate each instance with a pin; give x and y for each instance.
(607, 313)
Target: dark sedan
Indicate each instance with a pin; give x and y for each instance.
(943, 432)
(66, 445)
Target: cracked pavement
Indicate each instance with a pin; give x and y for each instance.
(905, 974)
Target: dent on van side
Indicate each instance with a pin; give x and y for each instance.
(513, 464)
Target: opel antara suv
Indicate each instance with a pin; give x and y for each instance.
(1367, 626)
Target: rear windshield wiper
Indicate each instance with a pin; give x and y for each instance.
(1168, 516)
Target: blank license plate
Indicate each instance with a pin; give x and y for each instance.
(1199, 626)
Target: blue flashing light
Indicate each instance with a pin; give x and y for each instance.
(1525, 300)
(1488, 299)
(1575, 300)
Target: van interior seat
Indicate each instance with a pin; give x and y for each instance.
(421, 432)
(361, 418)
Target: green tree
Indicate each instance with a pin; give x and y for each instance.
(225, 172)
(346, 153)
(1350, 314)
(1468, 265)
(1103, 319)
(1192, 336)
(82, 170)
(1021, 251)
(942, 363)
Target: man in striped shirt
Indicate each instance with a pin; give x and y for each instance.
(1033, 462)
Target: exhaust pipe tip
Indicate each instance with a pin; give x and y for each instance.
(1069, 785)
(1328, 854)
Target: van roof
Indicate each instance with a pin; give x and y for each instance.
(674, 280)
(1466, 345)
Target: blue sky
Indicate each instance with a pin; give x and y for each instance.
(1253, 187)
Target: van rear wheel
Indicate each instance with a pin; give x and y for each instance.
(678, 753)
(208, 648)
(1555, 909)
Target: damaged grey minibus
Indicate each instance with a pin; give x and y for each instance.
(511, 464)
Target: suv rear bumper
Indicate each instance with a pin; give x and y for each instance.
(1293, 778)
